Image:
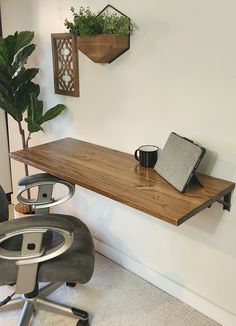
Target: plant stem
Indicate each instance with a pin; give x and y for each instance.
(22, 133)
(25, 144)
(27, 140)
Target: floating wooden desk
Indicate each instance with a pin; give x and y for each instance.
(116, 175)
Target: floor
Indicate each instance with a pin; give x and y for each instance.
(115, 297)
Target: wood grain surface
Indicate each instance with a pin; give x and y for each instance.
(103, 48)
(117, 175)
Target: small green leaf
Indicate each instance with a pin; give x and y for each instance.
(88, 23)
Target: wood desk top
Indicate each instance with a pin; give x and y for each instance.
(117, 175)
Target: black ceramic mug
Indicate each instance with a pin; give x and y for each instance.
(147, 155)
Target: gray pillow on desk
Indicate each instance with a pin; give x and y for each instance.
(179, 160)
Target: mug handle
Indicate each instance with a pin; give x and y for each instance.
(136, 154)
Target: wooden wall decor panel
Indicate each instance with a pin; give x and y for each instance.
(65, 64)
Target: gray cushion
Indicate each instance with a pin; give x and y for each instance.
(75, 265)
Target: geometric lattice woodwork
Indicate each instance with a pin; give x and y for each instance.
(65, 64)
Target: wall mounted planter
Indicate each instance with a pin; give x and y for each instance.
(103, 48)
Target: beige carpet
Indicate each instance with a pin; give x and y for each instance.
(116, 297)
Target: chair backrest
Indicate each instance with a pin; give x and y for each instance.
(4, 213)
(32, 251)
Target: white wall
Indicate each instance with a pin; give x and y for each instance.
(179, 75)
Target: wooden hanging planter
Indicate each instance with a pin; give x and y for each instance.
(103, 48)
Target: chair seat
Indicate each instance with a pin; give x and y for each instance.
(69, 267)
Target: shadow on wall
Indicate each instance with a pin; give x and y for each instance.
(208, 162)
(212, 227)
(209, 166)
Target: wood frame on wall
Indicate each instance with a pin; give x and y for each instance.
(65, 65)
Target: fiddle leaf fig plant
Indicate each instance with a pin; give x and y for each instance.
(18, 92)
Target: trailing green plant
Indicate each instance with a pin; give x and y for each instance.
(18, 93)
(85, 22)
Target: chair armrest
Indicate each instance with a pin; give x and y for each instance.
(33, 228)
(45, 183)
(39, 177)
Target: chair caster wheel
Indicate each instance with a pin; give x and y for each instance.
(70, 284)
(83, 323)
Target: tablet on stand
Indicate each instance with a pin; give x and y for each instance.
(179, 160)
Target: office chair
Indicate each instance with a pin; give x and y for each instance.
(43, 248)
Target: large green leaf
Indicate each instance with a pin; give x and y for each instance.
(4, 56)
(52, 113)
(22, 56)
(2, 42)
(14, 43)
(8, 107)
(6, 82)
(4, 90)
(4, 68)
(33, 126)
(39, 111)
(35, 110)
(10, 45)
(24, 76)
(15, 81)
(17, 91)
(33, 88)
(23, 39)
(22, 97)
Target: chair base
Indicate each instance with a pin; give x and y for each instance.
(33, 304)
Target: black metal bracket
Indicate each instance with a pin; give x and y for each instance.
(226, 202)
(121, 13)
